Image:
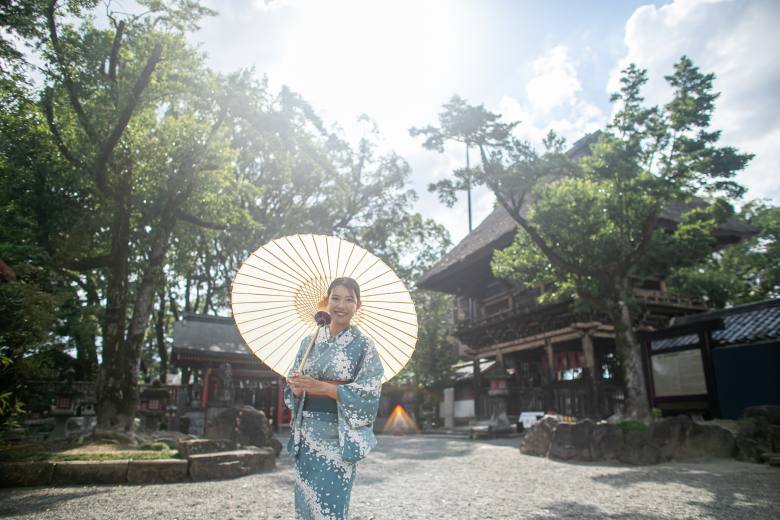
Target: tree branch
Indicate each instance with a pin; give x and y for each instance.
(114, 60)
(533, 233)
(107, 149)
(48, 110)
(66, 79)
(87, 264)
(192, 219)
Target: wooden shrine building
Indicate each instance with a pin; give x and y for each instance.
(218, 370)
(549, 357)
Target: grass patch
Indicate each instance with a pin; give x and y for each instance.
(632, 426)
(31, 453)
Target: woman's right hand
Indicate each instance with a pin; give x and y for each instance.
(291, 383)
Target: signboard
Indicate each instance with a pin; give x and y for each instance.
(679, 373)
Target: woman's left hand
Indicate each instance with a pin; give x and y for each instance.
(304, 383)
(308, 384)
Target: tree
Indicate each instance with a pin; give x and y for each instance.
(589, 229)
(741, 273)
(469, 125)
(138, 117)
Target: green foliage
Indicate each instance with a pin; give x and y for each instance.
(740, 273)
(643, 202)
(590, 225)
(135, 177)
(632, 426)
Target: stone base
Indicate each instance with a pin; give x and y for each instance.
(190, 447)
(90, 472)
(537, 441)
(156, 471)
(231, 464)
(16, 474)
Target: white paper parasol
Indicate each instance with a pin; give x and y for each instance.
(277, 289)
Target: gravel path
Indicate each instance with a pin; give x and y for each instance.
(437, 477)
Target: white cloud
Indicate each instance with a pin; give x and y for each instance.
(552, 101)
(555, 81)
(739, 42)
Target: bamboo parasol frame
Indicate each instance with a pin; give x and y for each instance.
(276, 293)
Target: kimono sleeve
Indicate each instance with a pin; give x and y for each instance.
(289, 398)
(359, 400)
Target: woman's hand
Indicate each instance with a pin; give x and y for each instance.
(303, 383)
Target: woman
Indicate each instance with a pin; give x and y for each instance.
(334, 404)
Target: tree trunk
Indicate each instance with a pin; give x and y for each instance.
(144, 295)
(117, 397)
(629, 351)
(159, 328)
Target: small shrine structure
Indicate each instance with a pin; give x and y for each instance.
(218, 370)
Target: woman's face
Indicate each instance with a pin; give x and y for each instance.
(342, 305)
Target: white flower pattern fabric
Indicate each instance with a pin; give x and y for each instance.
(327, 446)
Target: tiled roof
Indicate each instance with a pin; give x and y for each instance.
(748, 323)
(208, 334)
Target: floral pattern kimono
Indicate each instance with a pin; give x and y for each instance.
(327, 441)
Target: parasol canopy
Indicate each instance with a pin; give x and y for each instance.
(276, 293)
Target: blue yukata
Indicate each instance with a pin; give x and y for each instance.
(328, 438)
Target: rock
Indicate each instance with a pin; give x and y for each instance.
(670, 435)
(572, 441)
(774, 437)
(639, 449)
(149, 471)
(606, 442)
(753, 438)
(269, 463)
(170, 438)
(707, 441)
(230, 464)
(770, 412)
(190, 447)
(245, 425)
(766, 457)
(90, 472)
(15, 474)
(538, 439)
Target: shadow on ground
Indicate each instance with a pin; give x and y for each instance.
(706, 476)
(17, 502)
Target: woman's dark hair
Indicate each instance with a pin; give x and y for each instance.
(349, 283)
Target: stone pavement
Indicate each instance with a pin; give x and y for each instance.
(441, 477)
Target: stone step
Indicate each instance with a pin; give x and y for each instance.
(231, 464)
(191, 447)
(90, 472)
(156, 471)
(15, 474)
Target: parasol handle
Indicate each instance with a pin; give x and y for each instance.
(308, 350)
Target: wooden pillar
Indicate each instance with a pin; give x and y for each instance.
(705, 343)
(477, 386)
(549, 393)
(591, 404)
(590, 357)
(548, 351)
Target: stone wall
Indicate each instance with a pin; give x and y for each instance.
(674, 438)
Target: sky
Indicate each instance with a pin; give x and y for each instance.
(549, 65)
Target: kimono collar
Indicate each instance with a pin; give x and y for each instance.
(325, 332)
